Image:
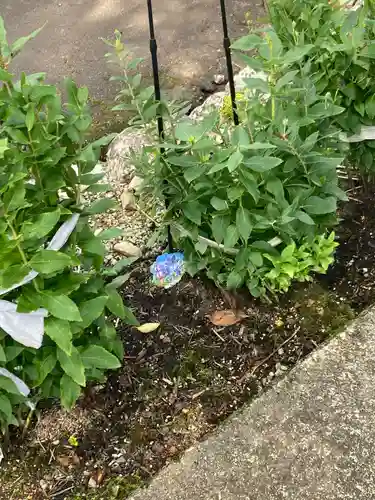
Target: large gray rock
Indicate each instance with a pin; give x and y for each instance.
(119, 166)
(239, 78)
(213, 102)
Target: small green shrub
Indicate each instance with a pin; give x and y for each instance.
(240, 198)
(341, 60)
(46, 241)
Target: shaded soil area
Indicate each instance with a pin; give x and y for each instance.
(180, 381)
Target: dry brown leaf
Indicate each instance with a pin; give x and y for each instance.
(98, 476)
(67, 460)
(227, 317)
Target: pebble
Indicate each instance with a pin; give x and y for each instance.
(127, 200)
(135, 183)
(92, 483)
(128, 249)
(219, 79)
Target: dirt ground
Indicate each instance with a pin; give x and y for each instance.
(179, 382)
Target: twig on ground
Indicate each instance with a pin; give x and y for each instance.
(218, 335)
(246, 375)
(62, 491)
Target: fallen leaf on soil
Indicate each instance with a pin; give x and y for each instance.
(148, 327)
(67, 460)
(96, 479)
(226, 317)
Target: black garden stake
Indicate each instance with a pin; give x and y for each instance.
(228, 57)
(155, 71)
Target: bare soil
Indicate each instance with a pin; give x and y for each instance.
(179, 382)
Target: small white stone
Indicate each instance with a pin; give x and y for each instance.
(128, 249)
(219, 79)
(92, 483)
(127, 200)
(135, 183)
(43, 484)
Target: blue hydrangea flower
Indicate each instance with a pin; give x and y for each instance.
(168, 269)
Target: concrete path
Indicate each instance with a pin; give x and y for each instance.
(311, 437)
(188, 31)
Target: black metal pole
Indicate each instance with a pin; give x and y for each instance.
(155, 71)
(228, 57)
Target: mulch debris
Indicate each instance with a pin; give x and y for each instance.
(178, 382)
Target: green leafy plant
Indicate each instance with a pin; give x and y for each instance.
(297, 263)
(52, 280)
(341, 60)
(237, 195)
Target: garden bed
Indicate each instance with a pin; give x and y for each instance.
(180, 381)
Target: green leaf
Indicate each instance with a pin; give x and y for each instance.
(4, 47)
(275, 187)
(82, 95)
(110, 233)
(219, 227)
(5, 76)
(256, 259)
(14, 198)
(108, 331)
(188, 129)
(94, 246)
(60, 306)
(248, 181)
(18, 136)
(59, 331)
(257, 84)
(323, 110)
(218, 203)
(310, 142)
(234, 280)
(285, 79)
(182, 160)
(370, 106)
(30, 117)
(41, 226)
(45, 367)
(96, 356)
(234, 193)
(304, 217)
(259, 145)
(3, 146)
(100, 206)
(119, 281)
(193, 211)
(247, 42)
(2, 355)
(116, 305)
(7, 385)
(243, 223)
(231, 236)
(50, 261)
(72, 365)
(12, 351)
(234, 160)
(195, 172)
(296, 54)
(320, 206)
(5, 407)
(201, 247)
(12, 275)
(69, 392)
(262, 163)
(19, 44)
(90, 310)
